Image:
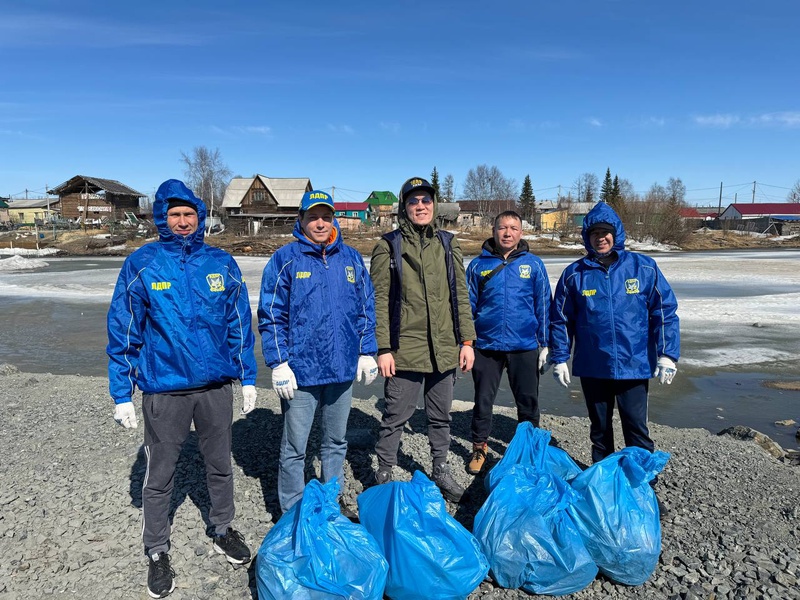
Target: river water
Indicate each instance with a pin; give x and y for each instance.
(740, 328)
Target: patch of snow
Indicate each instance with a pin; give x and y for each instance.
(28, 252)
(19, 263)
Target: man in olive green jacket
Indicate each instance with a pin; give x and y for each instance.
(424, 329)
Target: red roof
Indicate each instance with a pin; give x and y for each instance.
(768, 208)
(691, 213)
(350, 205)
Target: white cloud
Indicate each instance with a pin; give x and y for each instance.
(237, 130)
(346, 129)
(718, 120)
(781, 119)
(594, 122)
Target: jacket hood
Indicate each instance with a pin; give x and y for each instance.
(301, 237)
(402, 217)
(603, 213)
(173, 188)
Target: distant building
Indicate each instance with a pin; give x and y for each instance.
(4, 217)
(96, 200)
(359, 212)
(381, 204)
(261, 200)
(757, 211)
(34, 211)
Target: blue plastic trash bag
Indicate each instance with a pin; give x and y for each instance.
(529, 537)
(531, 446)
(314, 553)
(617, 513)
(430, 554)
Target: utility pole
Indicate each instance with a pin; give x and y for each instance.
(333, 192)
(754, 193)
(719, 208)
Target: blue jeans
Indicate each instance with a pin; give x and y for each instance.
(298, 417)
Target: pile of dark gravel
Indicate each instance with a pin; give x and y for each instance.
(70, 498)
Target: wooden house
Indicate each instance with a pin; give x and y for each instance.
(356, 211)
(260, 200)
(382, 203)
(96, 200)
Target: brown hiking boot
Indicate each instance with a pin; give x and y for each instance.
(478, 459)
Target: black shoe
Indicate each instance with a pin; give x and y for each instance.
(382, 475)
(346, 512)
(233, 547)
(160, 576)
(445, 482)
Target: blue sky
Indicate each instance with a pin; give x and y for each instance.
(362, 95)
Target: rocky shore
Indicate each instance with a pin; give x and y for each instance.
(70, 498)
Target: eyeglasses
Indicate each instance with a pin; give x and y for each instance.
(415, 201)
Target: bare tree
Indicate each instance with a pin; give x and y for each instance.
(486, 185)
(207, 175)
(658, 216)
(586, 187)
(794, 194)
(448, 189)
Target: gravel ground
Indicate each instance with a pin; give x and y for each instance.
(70, 499)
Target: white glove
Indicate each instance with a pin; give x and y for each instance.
(544, 364)
(283, 381)
(665, 370)
(249, 396)
(561, 374)
(125, 415)
(366, 367)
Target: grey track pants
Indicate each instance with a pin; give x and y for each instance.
(167, 421)
(401, 393)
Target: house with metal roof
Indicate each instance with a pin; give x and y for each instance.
(263, 196)
(96, 200)
(359, 212)
(32, 211)
(260, 200)
(382, 203)
(761, 210)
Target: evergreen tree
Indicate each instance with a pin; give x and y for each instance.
(527, 200)
(615, 192)
(435, 182)
(607, 191)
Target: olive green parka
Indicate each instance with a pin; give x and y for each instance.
(427, 338)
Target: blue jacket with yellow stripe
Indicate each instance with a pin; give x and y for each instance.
(316, 310)
(180, 316)
(620, 319)
(512, 310)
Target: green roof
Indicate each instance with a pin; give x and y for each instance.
(3, 204)
(381, 198)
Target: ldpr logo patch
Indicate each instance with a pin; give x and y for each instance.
(631, 286)
(216, 283)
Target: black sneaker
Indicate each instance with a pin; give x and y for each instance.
(233, 547)
(160, 576)
(382, 475)
(347, 513)
(448, 486)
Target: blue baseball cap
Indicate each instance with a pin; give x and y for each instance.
(315, 198)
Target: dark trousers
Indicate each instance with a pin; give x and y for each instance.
(167, 421)
(523, 376)
(401, 394)
(631, 399)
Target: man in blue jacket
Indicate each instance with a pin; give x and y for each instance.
(179, 329)
(510, 296)
(619, 312)
(316, 315)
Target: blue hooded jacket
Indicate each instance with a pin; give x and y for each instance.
(316, 310)
(512, 310)
(180, 316)
(620, 319)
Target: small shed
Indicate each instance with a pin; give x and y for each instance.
(95, 200)
(381, 203)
